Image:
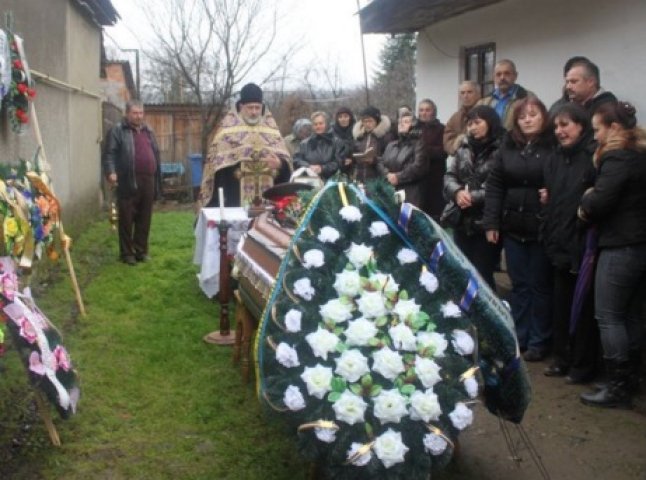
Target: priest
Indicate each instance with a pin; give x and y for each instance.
(247, 155)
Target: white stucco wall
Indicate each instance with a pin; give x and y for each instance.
(539, 36)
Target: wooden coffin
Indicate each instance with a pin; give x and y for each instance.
(258, 259)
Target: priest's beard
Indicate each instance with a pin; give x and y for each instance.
(251, 121)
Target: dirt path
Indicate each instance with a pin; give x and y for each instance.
(575, 442)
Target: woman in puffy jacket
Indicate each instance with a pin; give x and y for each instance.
(322, 152)
(464, 188)
(513, 215)
(617, 204)
(404, 161)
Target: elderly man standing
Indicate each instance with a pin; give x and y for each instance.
(247, 154)
(469, 93)
(131, 164)
(506, 93)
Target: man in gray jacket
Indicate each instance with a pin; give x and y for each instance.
(132, 165)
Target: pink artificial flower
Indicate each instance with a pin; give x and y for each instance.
(27, 330)
(62, 358)
(35, 364)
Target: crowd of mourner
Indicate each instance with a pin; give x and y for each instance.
(560, 191)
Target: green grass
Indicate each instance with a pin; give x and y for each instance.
(157, 402)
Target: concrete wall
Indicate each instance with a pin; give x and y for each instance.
(62, 43)
(539, 36)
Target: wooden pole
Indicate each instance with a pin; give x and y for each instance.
(65, 240)
(46, 416)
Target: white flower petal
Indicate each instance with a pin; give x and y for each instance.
(318, 380)
(434, 444)
(328, 234)
(461, 416)
(293, 398)
(350, 408)
(451, 310)
(428, 281)
(293, 321)
(389, 448)
(303, 288)
(406, 255)
(462, 342)
(350, 213)
(378, 229)
(286, 355)
(313, 258)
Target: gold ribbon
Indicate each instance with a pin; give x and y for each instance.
(469, 373)
(362, 450)
(433, 429)
(344, 197)
(318, 424)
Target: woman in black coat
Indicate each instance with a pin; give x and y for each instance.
(322, 151)
(568, 174)
(464, 187)
(617, 204)
(512, 214)
(404, 160)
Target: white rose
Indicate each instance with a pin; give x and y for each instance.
(313, 258)
(462, 342)
(405, 309)
(318, 380)
(406, 255)
(286, 355)
(461, 416)
(427, 371)
(351, 365)
(293, 398)
(378, 229)
(336, 311)
(361, 460)
(451, 310)
(389, 448)
(428, 281)
(293, 321)
(303, 288)
(403, 337)
(328, 235)
(433, 340)
(434, 444)
(471, 387)
(350, 408)
(359, 254)
(348, 283)
(385, 282)
(372, 304)
(388, 363)
(360, 331)
(350, 213)
(322, 342)
(327, 435)
(390, 406)
(424, 406)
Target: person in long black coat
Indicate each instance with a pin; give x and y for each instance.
(464, 186)
(568, 174)
(405, 161)
(513, 215)
(321, 151)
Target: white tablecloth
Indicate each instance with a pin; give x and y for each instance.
(207, 244)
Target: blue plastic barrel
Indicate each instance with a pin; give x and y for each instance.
(195, 159)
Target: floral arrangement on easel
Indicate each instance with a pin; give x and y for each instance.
(368, 344)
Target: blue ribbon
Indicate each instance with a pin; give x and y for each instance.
(438, 252)
(469, 294)
(405, 215)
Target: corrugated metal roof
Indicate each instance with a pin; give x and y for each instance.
(402, 16)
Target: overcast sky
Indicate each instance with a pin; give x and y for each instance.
(327, 30)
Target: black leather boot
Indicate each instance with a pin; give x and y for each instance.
(616, 393)
(634, 375)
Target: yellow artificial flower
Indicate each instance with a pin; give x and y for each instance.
(10, 227)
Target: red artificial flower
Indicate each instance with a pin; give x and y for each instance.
(284, 202)
(31, 93)
(22, 88)
(18, 64)
(21, 115)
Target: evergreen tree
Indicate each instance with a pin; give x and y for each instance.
(394, 83)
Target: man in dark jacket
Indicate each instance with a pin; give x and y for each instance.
(583, 86)
(132, 165)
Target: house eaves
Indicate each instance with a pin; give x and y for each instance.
(101, 12)
(405, 16)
